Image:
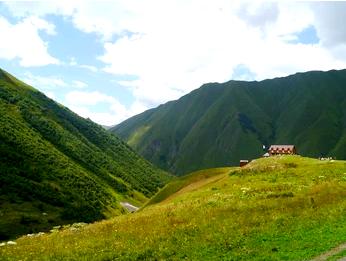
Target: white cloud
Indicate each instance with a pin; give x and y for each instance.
(40, 24)
(49, 84)
(196, 42)
(103, 118)
(86, 103)
(88, 98)
(79, 84)
(22, 41)
(330, 20)
(44, 82)
(259, 14)
(73, 62)
(103, 17)
(173, 47)
(26, 8)
(89, 67)
(50, 95)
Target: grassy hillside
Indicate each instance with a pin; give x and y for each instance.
(281, 208)
(182, 184)
(56, 167)
(219, 124)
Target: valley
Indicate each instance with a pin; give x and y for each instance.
(172, 130)
(276, 208)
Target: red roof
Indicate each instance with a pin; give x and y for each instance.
(281, 147)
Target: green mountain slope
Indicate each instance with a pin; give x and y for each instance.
(278, 208)
(56, 167)
(219, 124)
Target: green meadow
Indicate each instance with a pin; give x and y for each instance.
(278, 208)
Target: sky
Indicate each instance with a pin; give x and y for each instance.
(110, 60)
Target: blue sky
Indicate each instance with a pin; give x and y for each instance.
(79, 68)
(111, 60)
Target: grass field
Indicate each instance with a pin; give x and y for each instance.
(280, 208)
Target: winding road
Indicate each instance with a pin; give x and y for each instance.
(331, 253)
(131, 208)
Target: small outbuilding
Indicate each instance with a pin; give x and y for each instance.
(242, 163)
(282, 150)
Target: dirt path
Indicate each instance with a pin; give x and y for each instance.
(129, 207)
(331, 253)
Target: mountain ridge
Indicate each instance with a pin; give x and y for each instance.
(301, 109)
(52, 161)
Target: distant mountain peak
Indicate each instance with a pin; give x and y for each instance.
(219, 124)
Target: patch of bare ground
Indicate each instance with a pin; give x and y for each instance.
(331, 253)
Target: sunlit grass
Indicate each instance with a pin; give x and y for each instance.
(282, 208)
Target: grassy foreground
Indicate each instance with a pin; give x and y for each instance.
(281, 208)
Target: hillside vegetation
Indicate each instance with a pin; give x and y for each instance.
(219, 124)
(56, 167)
(279, 208)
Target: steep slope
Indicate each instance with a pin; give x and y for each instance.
(278, 208)
(219, 124)
(56, 167)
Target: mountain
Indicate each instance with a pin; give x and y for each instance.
(277, 208)
(219, 124)
(57, 168)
